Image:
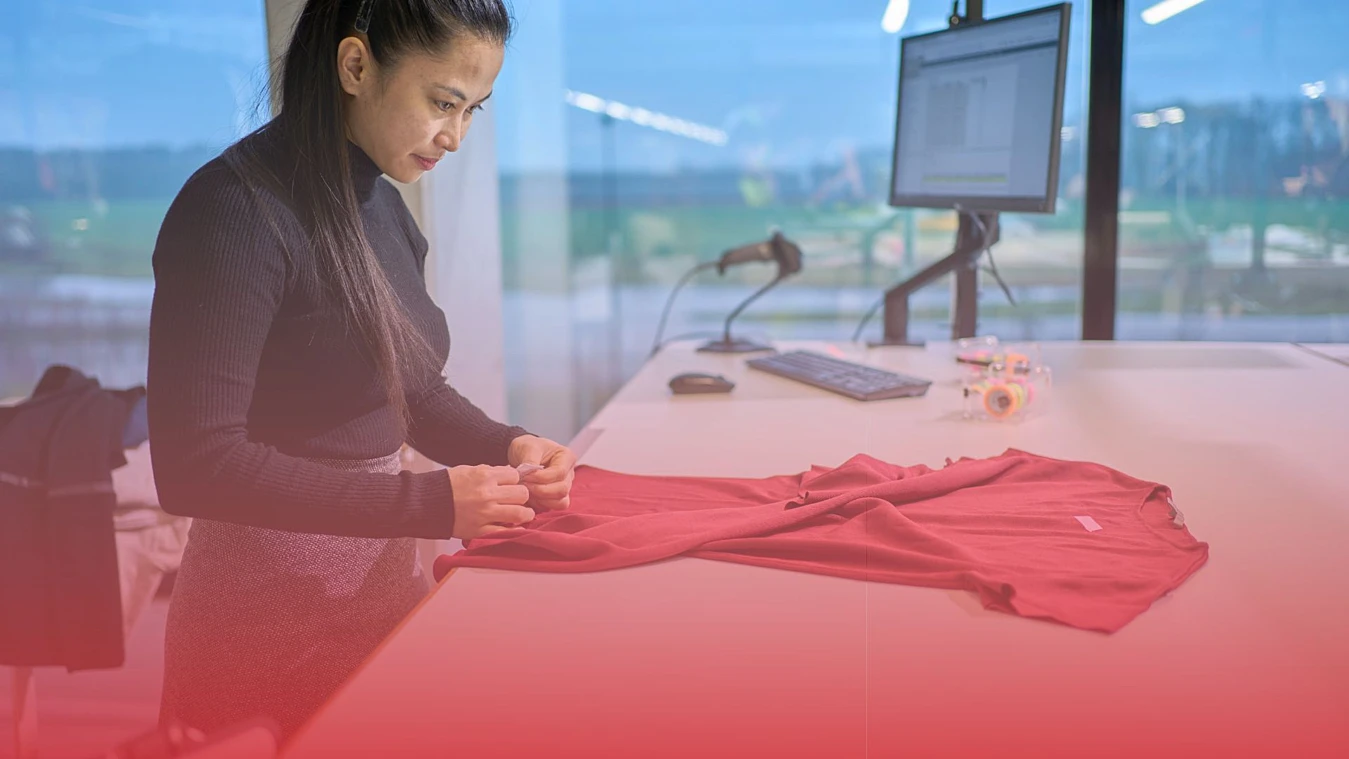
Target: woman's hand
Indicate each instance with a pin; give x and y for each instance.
(487, 499)
(550, 487)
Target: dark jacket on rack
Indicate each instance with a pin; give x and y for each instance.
(60, 599)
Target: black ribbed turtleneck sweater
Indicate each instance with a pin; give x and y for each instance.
(253, 371)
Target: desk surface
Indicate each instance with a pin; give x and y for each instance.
(1334, 351)
(700, 658)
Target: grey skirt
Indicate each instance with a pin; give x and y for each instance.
(266, 623)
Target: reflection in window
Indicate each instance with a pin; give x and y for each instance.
(106, 108)
(637, 139)
(1234, 198)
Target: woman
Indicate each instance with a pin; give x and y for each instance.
(294, 349)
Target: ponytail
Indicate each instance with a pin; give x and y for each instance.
(312, 126)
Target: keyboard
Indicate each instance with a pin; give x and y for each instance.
(864, 383)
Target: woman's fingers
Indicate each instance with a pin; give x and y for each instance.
(504, 513)
(562, 460)
(551, 487)
(556, 504)
(504, 475)
(554, 472)
(545, 476)
(551, 492)
(517, 495)
(551, 503)
(556, 465)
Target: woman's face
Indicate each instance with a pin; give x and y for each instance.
(407, 117)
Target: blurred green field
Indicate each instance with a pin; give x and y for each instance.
(844, 244)
(113, 240)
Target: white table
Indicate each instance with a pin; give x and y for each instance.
(699, 658)
(1334, 351)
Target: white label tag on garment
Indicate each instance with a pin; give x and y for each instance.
(1088, 523)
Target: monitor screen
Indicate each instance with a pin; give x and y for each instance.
(979, 114)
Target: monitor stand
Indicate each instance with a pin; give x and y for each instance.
(971, 242)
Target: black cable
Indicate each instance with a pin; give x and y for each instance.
(690, 274)
(992, 267)
(867, 317)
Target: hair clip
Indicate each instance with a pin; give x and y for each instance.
(363, 13)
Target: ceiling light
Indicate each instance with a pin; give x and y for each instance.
(896, 13)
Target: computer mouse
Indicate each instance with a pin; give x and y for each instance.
(699, 382)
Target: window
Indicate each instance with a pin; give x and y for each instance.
(638, 139)
(1234, 197)
(1040, 255)
(105, 109)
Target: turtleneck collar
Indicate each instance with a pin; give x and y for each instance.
(364, 171)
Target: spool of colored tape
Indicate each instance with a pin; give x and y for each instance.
(1000, 401)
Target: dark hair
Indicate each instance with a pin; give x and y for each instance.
(311, 126)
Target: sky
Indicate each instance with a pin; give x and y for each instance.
(791, 82)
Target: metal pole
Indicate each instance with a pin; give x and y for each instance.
(1100, 265)
(965, 294)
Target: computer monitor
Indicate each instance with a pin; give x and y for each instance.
(980, 113)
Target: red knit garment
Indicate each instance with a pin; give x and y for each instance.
(1005, 527)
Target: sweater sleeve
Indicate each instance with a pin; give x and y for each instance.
(448, 429)
(220, 274)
